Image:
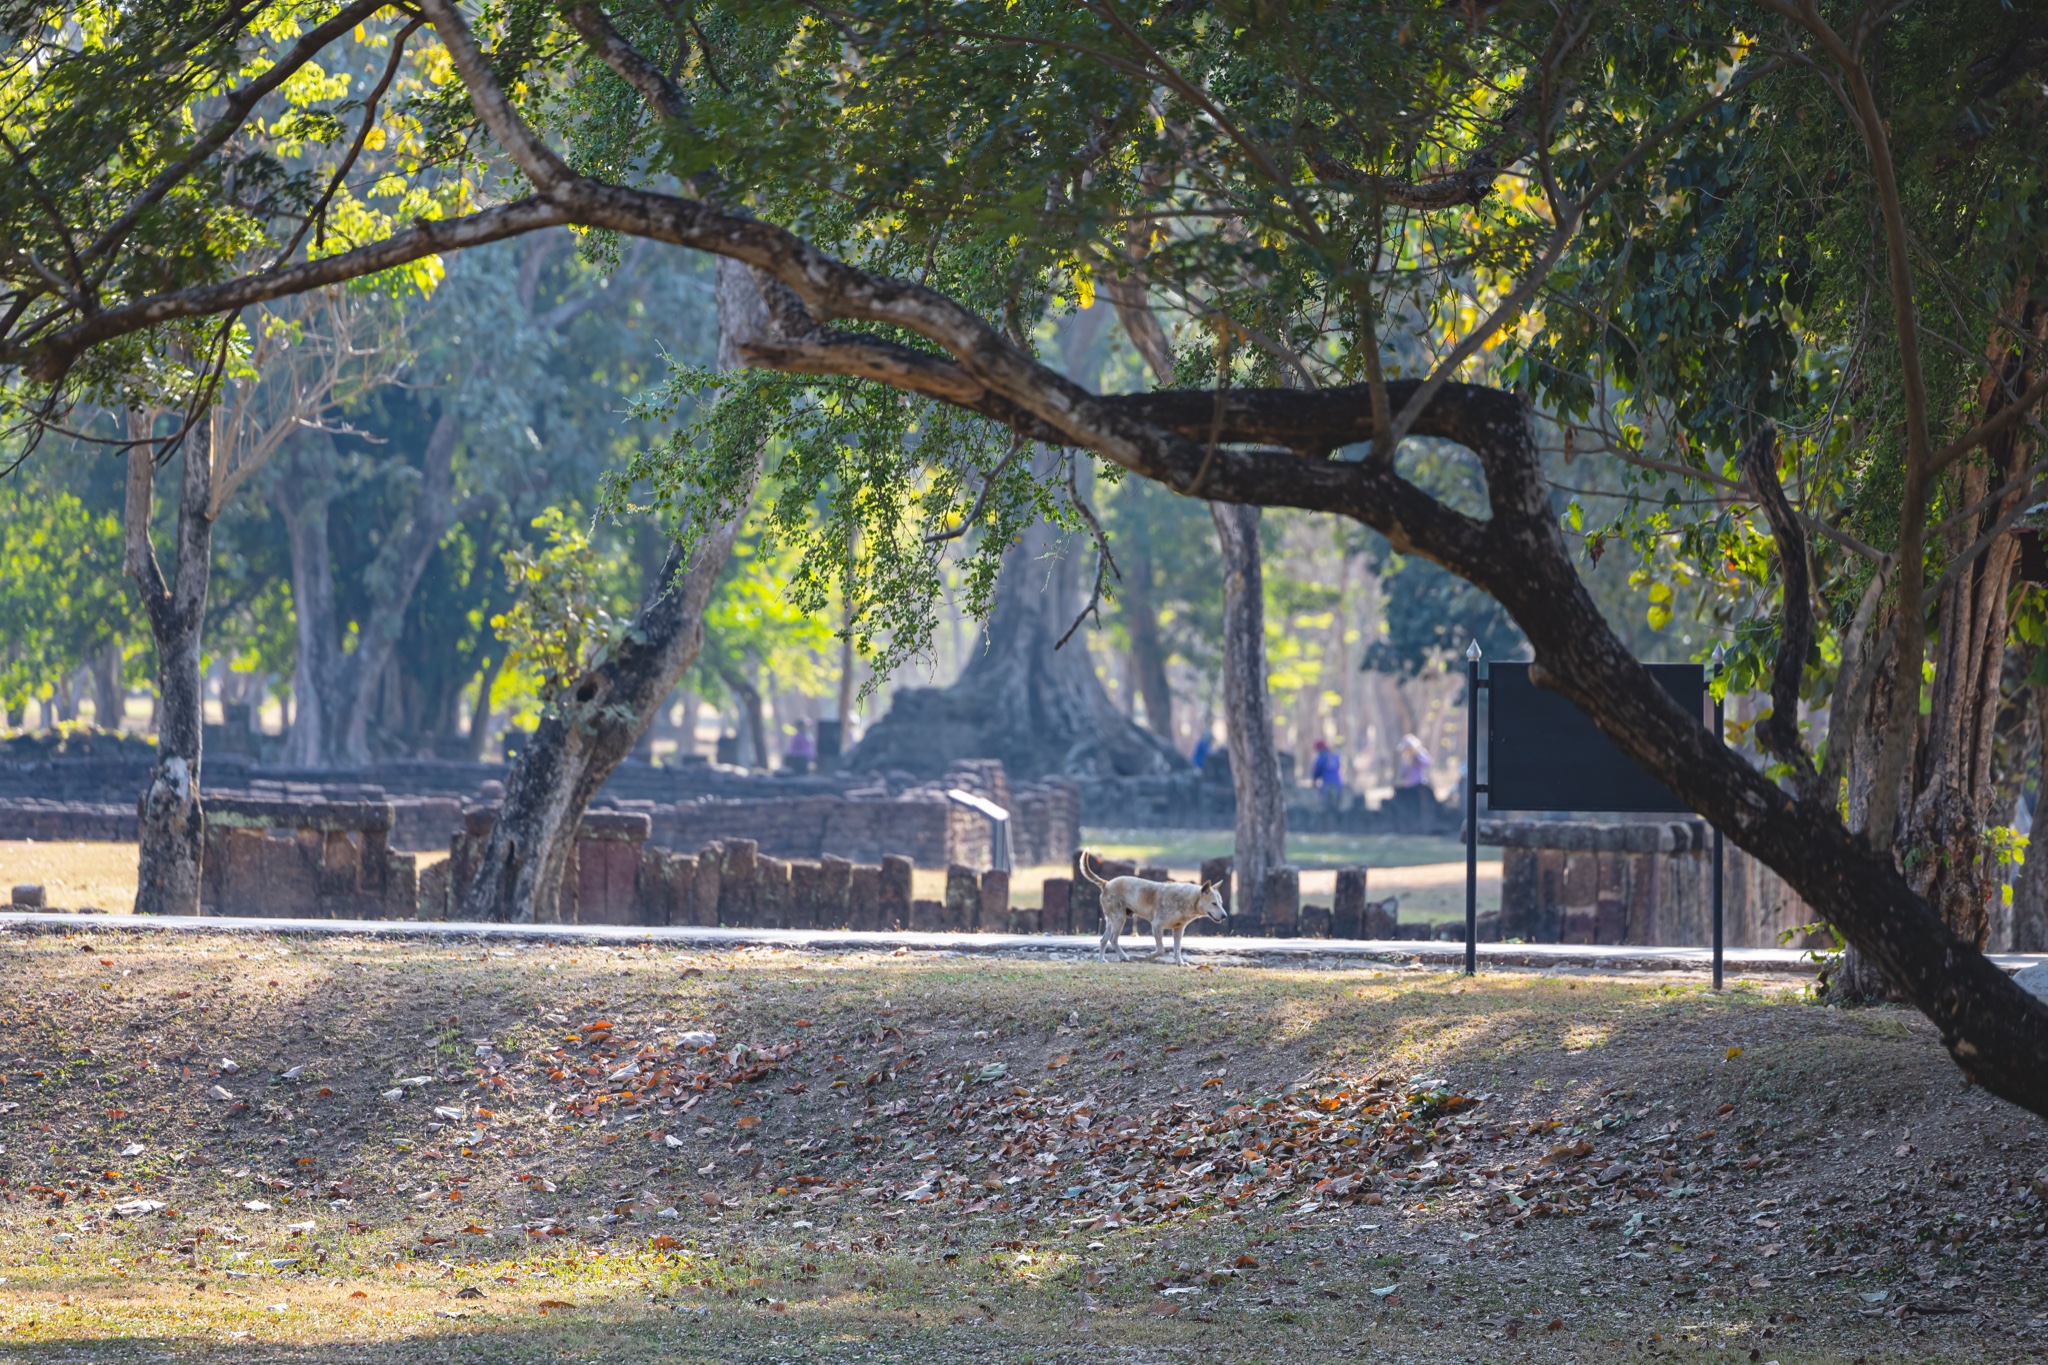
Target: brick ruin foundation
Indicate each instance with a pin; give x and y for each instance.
(1646, 883)
(705, 845)
(324, 859)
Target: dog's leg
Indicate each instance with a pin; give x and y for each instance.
(1158, 941)
(1122, 928)
(1178, 958)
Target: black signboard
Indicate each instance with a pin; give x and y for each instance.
(1542, 753)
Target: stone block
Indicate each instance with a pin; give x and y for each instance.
(835, 878)
(401, 885)
(1382, 919)
(1347, 910)
(707, 886)
(803, 894)
(433, 898)
(1544, 922)
(605, 875)
(1315, 921)
(863, 897)
(1581, 879)
(995, 902)
(1155, 873)
(1023, 921)
(1611, 920)
(1580, 926)
(1282, 912)
(893, 900)
(1084, 901)
(1640, 917)
(736, 883)
(29, 896)
(1218, 871)
(963, 899)
(928, 916)
(1055, 906)
(1520, 891)
(771, 893)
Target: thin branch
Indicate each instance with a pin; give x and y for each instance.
(538, 161)
(1104, 564)
(1779, 731)
(240, 105)
(987, 486)
(355, 148)
(1561, 237)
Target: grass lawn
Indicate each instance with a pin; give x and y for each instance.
(456, 1152)
(1427, 874)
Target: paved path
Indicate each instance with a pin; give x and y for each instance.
(1274, 952)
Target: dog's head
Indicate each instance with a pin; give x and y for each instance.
(1210, 902)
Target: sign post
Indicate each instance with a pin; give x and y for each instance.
(1720, 733)
(1472, 789)
(1544, 754)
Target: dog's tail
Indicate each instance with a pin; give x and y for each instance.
(1082, 863)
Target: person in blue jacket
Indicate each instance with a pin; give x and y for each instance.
(1327, 773)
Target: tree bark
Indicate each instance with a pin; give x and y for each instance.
(1943, 847)
(172, 824)
(1254, 765)
(579, 742)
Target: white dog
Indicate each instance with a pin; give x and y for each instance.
(1166, 906)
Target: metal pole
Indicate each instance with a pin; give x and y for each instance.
(1472, 809)
(1721, 734)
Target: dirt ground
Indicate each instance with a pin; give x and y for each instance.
(264, 1148)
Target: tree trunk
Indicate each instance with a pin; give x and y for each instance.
(480, 715)
(397, 576)
(109, 697)
(1254, 766)
(172, 824)
(580, 741)
(301, 495)
(1943, 847)
(1140, 610)
(2030, 893)
(1038, 708)
(339, 691)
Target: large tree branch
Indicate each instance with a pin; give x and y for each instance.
(548, 172)
(662, 94)
(51, 357)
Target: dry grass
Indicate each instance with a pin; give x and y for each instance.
(73, 876)
(1764, 1195)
